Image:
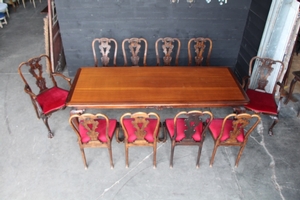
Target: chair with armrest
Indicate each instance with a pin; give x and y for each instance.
(104, 45)
(188, 128)
(233, 130)
(167, 48)
(94, 131)
(46, 98)
(134, 46)
(262, 100)
(202, 49)
(140, 129)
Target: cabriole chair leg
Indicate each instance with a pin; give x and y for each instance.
(273, 124)
(45, 120)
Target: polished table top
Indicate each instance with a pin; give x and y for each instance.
(158, 87)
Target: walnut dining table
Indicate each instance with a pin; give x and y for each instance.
(155, 87)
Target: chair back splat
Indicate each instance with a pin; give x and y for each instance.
(46, 99)
(233, 130)
(202, 51)
(167, 49)
(188, 128)
(105, 47)
(134, 46)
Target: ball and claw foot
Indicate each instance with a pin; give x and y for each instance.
(270, 132)
(50, 135)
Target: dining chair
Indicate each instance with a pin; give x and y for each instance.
(262, 99)
(104, 45)
(4, 8)
(188, 128)
(140, 129)
(46, 98)
(94, 131)
(167, 45)
(233, 130)
(134, 46)
(202, 49)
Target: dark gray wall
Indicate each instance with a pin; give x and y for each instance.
(83, 20)
(256, 20)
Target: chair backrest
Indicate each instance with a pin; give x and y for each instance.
(260, 72)
(238, 127)
(194, 121)
(40, 68)
(202, 49)
(140, 126)
(134, 45)
(104, 45)
(87, 127)
(167, 48)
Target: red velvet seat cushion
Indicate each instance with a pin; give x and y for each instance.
(261, 102)
(131, 130)
(215, 128)
(52, 99)
(181, 128)
(100, 129)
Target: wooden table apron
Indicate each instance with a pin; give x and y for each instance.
(155, 87)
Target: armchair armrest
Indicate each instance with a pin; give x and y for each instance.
(280, 84)
(245, 82)
(28, 91)
(63, 76)
(282, 92)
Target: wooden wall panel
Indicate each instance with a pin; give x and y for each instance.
(83, 20)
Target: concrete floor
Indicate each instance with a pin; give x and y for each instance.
(34, 167)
